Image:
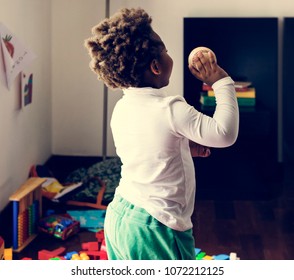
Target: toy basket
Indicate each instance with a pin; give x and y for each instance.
(60, 226)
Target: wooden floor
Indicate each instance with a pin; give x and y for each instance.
(254, 229)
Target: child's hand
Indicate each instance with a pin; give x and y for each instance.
(207, 69)
(199, 150)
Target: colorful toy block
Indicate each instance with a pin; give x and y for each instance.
(8, 254)
(81, 256)
(221, 257)
(233, 256)
(46, 255)
(103, 255)
(100, 235)
(90, 246)
(200, 255)
(1, 248)
(68, 256)
(96, 250)
(207, 258)
(197, 251)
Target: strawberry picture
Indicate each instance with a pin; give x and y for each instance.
(9, 45)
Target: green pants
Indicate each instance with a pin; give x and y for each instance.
(133, 234)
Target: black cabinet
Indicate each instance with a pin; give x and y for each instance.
(288, 89)
(247, 48)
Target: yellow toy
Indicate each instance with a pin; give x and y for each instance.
(5, 254)
(83, 256)
(8, 254)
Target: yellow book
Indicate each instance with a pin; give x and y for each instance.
(249, 93)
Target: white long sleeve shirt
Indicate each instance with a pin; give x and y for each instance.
(151, 133)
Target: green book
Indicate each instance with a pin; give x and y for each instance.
(210, 101)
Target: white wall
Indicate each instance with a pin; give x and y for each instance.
(77, 94)
(77, 128)
(26, 133)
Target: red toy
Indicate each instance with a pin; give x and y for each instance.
(46, 255)
(96, 250)
(1, 248)
(103, 252)
(90, 246)
(100, 235)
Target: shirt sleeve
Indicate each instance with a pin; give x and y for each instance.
(220, 130)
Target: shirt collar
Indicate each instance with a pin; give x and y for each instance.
(144, 91)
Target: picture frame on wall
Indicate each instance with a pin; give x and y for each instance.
(26, 88)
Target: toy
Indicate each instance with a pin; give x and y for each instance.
(89, 218)
(82, 256)
(233, 256)
(204, 50)
(8, 254)
(197, 251)
(200, 255)
(90, 250)
(68, 256)
(100, 254)
(46, 255)
(60, 226)
(5, 253)
(103, 255)
(221, 257)
(207, 258)
(90, 246)
(96, 250)
(1, 248)
(27, 210)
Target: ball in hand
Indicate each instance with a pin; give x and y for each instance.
(204, 50)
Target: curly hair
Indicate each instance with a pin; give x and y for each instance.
(122, 47)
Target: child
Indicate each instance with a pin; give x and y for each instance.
(150, 215)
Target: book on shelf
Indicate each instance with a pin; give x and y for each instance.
(248, 93)
(239, 86)
(210, 101)
(242, 85)
(245, 93)
(242, 109)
